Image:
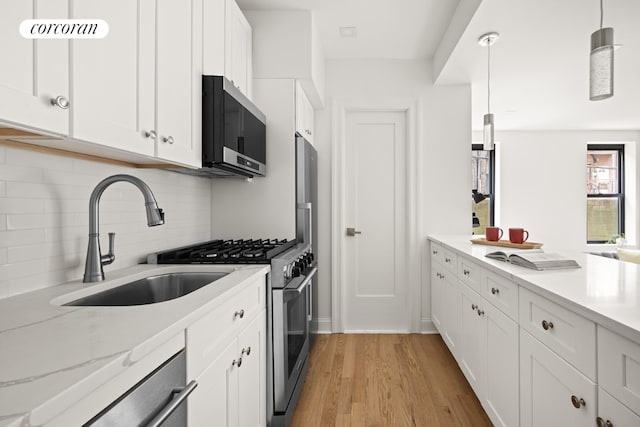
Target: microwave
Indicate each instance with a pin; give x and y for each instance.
(233, 131)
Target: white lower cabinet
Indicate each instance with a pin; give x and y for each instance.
(231, 390)
(612, 413)
(447, 305)
(226, 355)
(489, 357)
(501, 399)
(552, 392)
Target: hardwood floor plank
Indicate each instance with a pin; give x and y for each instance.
(386, 380)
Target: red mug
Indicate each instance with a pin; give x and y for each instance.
(493, 234)
(518, 235)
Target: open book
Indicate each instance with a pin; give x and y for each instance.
(535, 259)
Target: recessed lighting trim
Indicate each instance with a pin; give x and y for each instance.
(349, 32)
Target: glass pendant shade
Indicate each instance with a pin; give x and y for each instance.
(488, 142)
(601, 65)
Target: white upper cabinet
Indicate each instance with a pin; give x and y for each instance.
(34, 72)
(228, 44)
(139, 88)
(113, 78)
(238, 62)
(304, 114)
(286, 44)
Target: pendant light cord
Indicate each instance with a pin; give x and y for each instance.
(489, 76)
(601, 14)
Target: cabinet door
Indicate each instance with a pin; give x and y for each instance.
(35, 71)
(548, 387)
(501, 401)
(238, 48)
(252, 374)
(437, 298)
(451, 308)
(114, 77)
(613, 412)
(179, 81)
(215, 399)
(473, 340)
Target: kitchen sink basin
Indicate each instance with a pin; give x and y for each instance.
(150, 290)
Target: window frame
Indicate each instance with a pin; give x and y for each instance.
(492, 180)
(620, 195)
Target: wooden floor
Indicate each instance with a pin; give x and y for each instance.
(385, 380)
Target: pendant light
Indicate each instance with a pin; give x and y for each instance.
(601, 62)
(488, 141)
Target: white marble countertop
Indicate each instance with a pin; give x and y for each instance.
(604, 290)
(51, 356)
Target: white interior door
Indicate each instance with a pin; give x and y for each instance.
(375, 205)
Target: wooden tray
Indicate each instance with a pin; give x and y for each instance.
(507, 244)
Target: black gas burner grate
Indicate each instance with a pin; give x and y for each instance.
(248, 251)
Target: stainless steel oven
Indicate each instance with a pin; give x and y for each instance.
(292, 277)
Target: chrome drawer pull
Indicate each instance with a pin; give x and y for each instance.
(239, 313)
(480, 312)
(495, 291)
(237, 362)
(246, 351)
(578, 402)
(547, 325)
(473, 306)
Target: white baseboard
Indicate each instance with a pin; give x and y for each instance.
(324, 325)
(427, 327)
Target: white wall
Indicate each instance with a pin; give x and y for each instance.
(44, 219)
(444, 134)
(541, 184)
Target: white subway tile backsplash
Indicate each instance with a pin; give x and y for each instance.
(44, 201)
(10, 172)
(20, 206)
(21, 237)
(17, 156)
(25, 221)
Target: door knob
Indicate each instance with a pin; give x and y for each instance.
(352, 231)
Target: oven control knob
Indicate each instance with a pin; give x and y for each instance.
(296, 271)
(310, 256)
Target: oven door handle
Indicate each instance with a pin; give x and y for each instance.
(290, 294)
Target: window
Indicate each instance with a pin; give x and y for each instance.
(482, 187)
(605, 192)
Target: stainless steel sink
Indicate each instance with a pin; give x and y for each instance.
(149, 290)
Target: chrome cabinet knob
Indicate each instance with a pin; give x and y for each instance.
(602, 423)
(150, 134)
(246, 351)
(495, 291)
(480, 312)
(237, 362)
(447, 260)
(578, 402)
(547, 325)
(168, 139)
(61, 102)
(435, 252)
(466, 272)
(473, 306)
(239, 313)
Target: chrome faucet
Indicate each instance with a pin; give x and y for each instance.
(93, 271)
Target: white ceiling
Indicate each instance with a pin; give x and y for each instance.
(398, 29)
(540, 65)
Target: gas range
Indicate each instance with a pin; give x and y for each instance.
(247, 251)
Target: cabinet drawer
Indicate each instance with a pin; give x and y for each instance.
(619, 367)
(469, 272)
(502, 293)
(451, 261)
(570, 335)
(209, 335)
(609, 409)
(437, 253)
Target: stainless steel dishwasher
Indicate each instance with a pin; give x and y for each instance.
(158, 400)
